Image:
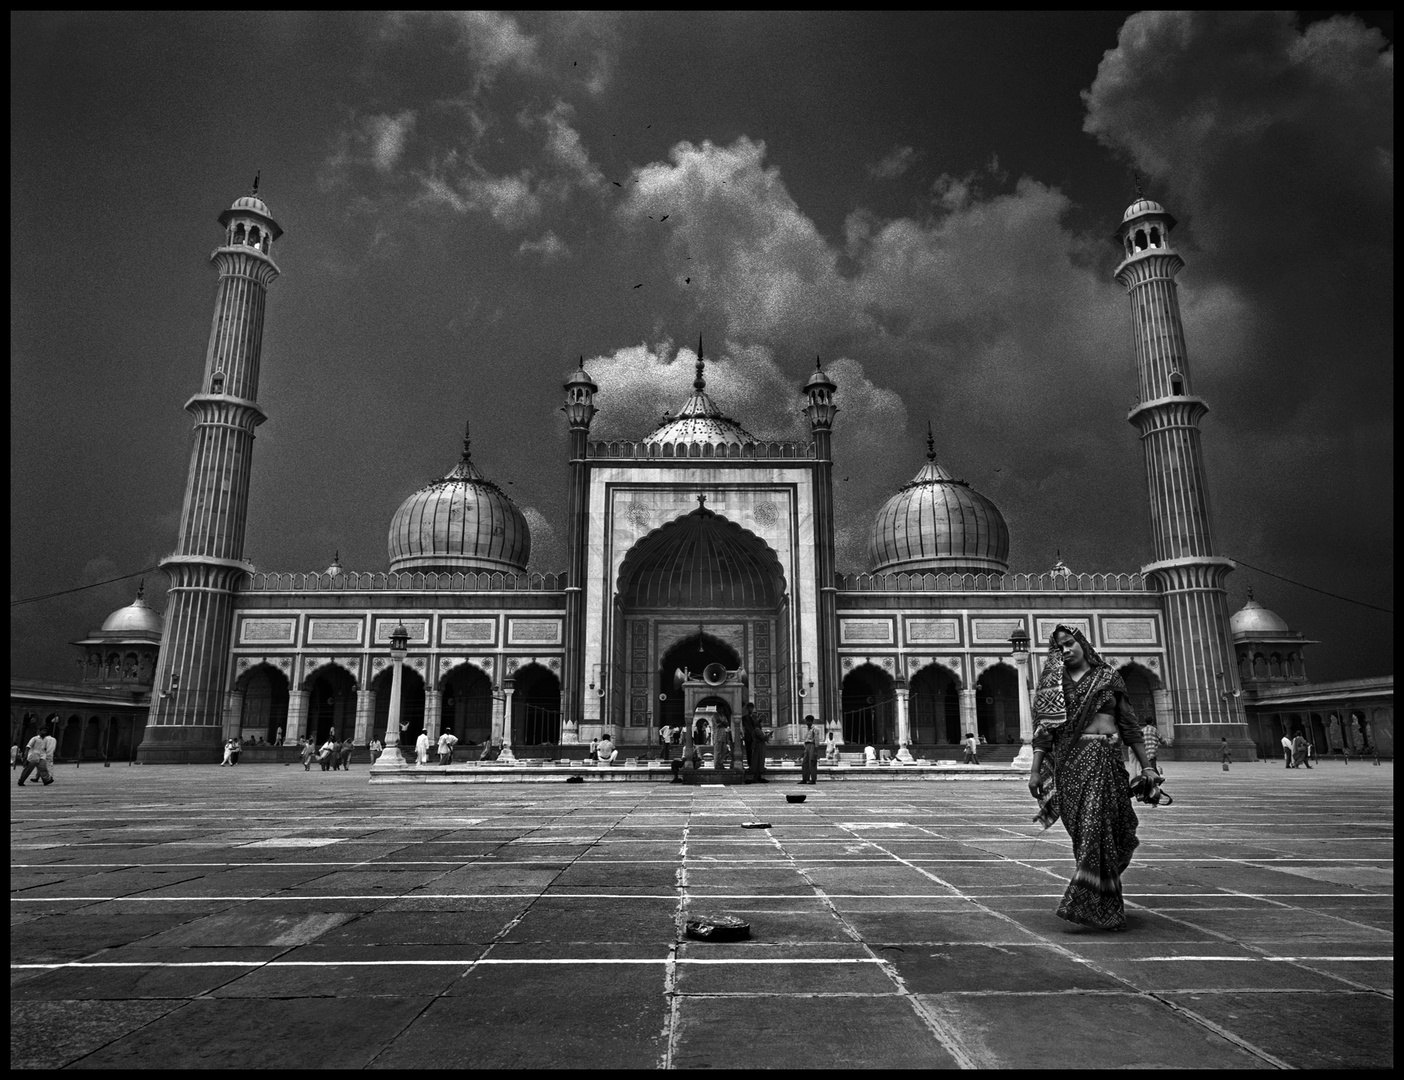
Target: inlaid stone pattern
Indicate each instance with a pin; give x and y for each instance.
(638, 703)
(852, 631)
(267, 631)
(1046, 626)
(1128, 631)
(761, 678)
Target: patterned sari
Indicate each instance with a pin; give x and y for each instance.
(1089, 787)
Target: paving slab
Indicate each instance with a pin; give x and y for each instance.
(52, 1034)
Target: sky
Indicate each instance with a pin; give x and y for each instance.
(473, 202)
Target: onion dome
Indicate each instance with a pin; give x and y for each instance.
(460, 522)
(699, 421)
(1253, 620)
(939, 524)
(136, 617)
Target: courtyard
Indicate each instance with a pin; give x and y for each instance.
(189, 916)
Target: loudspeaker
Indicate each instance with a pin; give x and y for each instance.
(714, 674)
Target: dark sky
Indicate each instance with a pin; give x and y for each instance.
(923, 200)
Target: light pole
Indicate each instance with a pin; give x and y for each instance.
(391, 757)
(1019, 646)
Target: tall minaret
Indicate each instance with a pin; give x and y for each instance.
(187, 701)
(580, 410)
(819, 389)
(1187, 569)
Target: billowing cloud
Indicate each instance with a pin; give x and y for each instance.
(894, 164)
(548, 247)
(495, 43)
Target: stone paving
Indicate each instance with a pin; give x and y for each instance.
(198, 917)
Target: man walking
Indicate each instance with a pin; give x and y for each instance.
(1287, 751)
(39, 756)
(809, 761)
(753, 739)
(421, 749)
(972, 749)
(446, 745)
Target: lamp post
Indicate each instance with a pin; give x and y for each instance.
(1019, 646)
(391, 757)
(509, 685)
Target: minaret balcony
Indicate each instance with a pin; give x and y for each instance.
(1172, 411)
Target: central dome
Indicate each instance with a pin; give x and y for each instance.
(460, 522)
(699, 421)
(940, 524)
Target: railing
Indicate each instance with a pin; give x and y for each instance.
(1012, 583)
(634, 450)
(407, 581)
(876, 724)
(541, 724)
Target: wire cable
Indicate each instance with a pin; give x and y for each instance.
(1313, 588)
(80, 588)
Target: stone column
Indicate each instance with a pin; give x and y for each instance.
(969, 720)
(233, 713)
(1024, 758)
(1164, 715)
(495, 738)
(297, 714)
(365, 717)
(507, 754)
(433, 707)
(904, 727)
(393, 757)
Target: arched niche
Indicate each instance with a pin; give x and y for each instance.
(869, 707)
(933, 705)
(331, 704)
(411, 703)
(691, 654)
(265, 708)
(536, 706)
(467, 703)
(997, 704)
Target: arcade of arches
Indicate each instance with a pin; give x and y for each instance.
(82, 736)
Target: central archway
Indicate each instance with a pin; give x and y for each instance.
(696, 591)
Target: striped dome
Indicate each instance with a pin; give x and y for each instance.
(460, 522)
(700, 420)
(937, 523)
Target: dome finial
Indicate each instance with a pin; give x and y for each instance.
(141, 589)
(816, 363)
(1136, 180)
(930, 443)
(467, 443)
(257, 174)
(1250, 594)
(699, 384)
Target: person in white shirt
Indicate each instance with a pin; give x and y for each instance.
(869, 755)
(972, 749)
(421, 749)
(446, 745)
(39, 756)
(607, 750)
(831, 749)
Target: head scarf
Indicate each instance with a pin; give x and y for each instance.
(1050, 705)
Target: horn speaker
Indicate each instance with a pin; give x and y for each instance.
(714, 674)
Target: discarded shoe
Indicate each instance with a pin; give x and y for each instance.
(755, 824)
(800, 797)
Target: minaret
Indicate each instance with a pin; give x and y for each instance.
(187, 701)
(580, 410)
(820, 411)
(1187, 568)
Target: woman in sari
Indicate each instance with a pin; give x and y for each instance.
(1084, 719)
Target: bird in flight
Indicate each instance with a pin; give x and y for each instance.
(665, 217)
(687, 281)
(639, 285)
(616, 183)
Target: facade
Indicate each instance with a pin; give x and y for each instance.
(696, 547)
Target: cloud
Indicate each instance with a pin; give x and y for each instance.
(387, 138)
(565, 149)
(639, 383)
(495, 43)
(508, 200)
(548, 549)
(549, 247)
(894, 164)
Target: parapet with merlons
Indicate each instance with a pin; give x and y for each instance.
(1006, 583)
(648, 450)
(349, 581)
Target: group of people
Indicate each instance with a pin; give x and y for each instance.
(332, 754)
(1296, 751)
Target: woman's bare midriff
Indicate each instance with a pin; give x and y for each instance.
(1102, 724)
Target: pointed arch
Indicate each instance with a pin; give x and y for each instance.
(536, 706)
(933, 704)
(321, 669)
(869, 702)
(265, 704)
(467, 703)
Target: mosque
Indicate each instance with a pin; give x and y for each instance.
(701, 572)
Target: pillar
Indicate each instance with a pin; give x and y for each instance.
(393, 757)
(1024, 757)
(904, 727)
(365, 716)
(497, 716)
(297, 714)
(433, 710)
(507, 755)
(968, 718)
(1164, 715)
(233, 714)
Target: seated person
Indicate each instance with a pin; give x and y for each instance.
(831, 749)
(490, 752)
(608, 752)
(869, 755)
